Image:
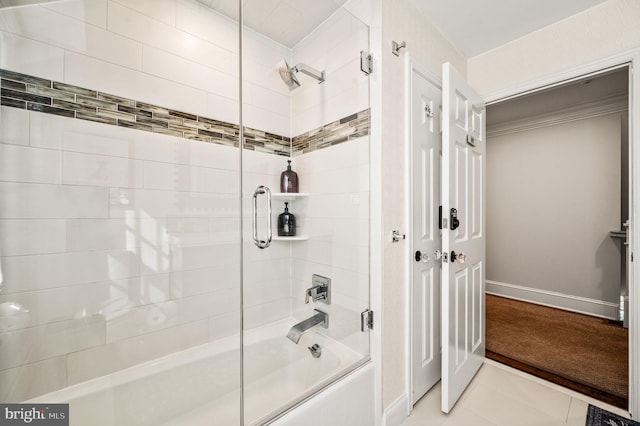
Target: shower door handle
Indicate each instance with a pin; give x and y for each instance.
(262, 244)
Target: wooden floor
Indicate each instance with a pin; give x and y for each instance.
(584, 353)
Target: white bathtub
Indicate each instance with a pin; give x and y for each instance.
(201, 385)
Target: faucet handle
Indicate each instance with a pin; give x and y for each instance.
(318, 292)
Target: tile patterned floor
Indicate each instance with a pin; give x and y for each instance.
(500, 395)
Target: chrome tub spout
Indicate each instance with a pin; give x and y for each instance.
(318, 318)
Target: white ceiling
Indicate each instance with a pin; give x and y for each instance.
(476, 26)
(285, 21)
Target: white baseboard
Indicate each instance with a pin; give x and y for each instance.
(567, 302)
(396, 412)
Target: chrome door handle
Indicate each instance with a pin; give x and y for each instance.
(261, 244)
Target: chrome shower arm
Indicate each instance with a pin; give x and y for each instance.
(310, 71)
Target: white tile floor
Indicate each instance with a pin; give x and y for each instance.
(500, 395)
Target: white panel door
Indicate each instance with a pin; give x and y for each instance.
(463, 272)
(426, 138)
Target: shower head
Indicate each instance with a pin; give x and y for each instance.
(288, 74)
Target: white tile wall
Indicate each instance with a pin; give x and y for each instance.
(141, 26)
(160, 10)
(101, 170)
(260, 118)
(201, 256)
(96, 234)
(86, 364)
(198, 281)
(44, 201)
(31, 57)
(336, 218)
(47, 26)
(259, 315)
(190, 73)
(33, 165)
(334, 47)
(149, 318)
(20, 237)
(26, 273)
(29, 380)
(266, 273)
(49, 131)
(134, 203)
(85, 71)
(173, 177)
(106, 298)
(194, 18)
(208, 155)
(47, 341)
(94, 256)
(224, 325)
(93, 12)
(264, 281)
(266, 99)
(18, 132)
(223, 109)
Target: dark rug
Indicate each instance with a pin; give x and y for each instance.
(596, 416)
(581, 352)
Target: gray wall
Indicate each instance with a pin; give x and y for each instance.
(553, 195)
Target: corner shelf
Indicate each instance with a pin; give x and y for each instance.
(290, 196)
(296, 238)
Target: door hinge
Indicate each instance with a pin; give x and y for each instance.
(366, 320)
(366, 62)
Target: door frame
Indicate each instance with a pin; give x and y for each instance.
(630, 59)
(411, 66)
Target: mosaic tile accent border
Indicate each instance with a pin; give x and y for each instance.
(348, 128)
(51, 97)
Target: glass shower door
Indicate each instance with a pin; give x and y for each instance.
(120, 210)
(306, 249)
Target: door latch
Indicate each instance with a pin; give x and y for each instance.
(453, 219)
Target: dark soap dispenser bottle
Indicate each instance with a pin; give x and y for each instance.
(286, 223)
(288, 180)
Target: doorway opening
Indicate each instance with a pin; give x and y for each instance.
(558, 185)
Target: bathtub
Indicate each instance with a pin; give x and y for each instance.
(201, 385)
